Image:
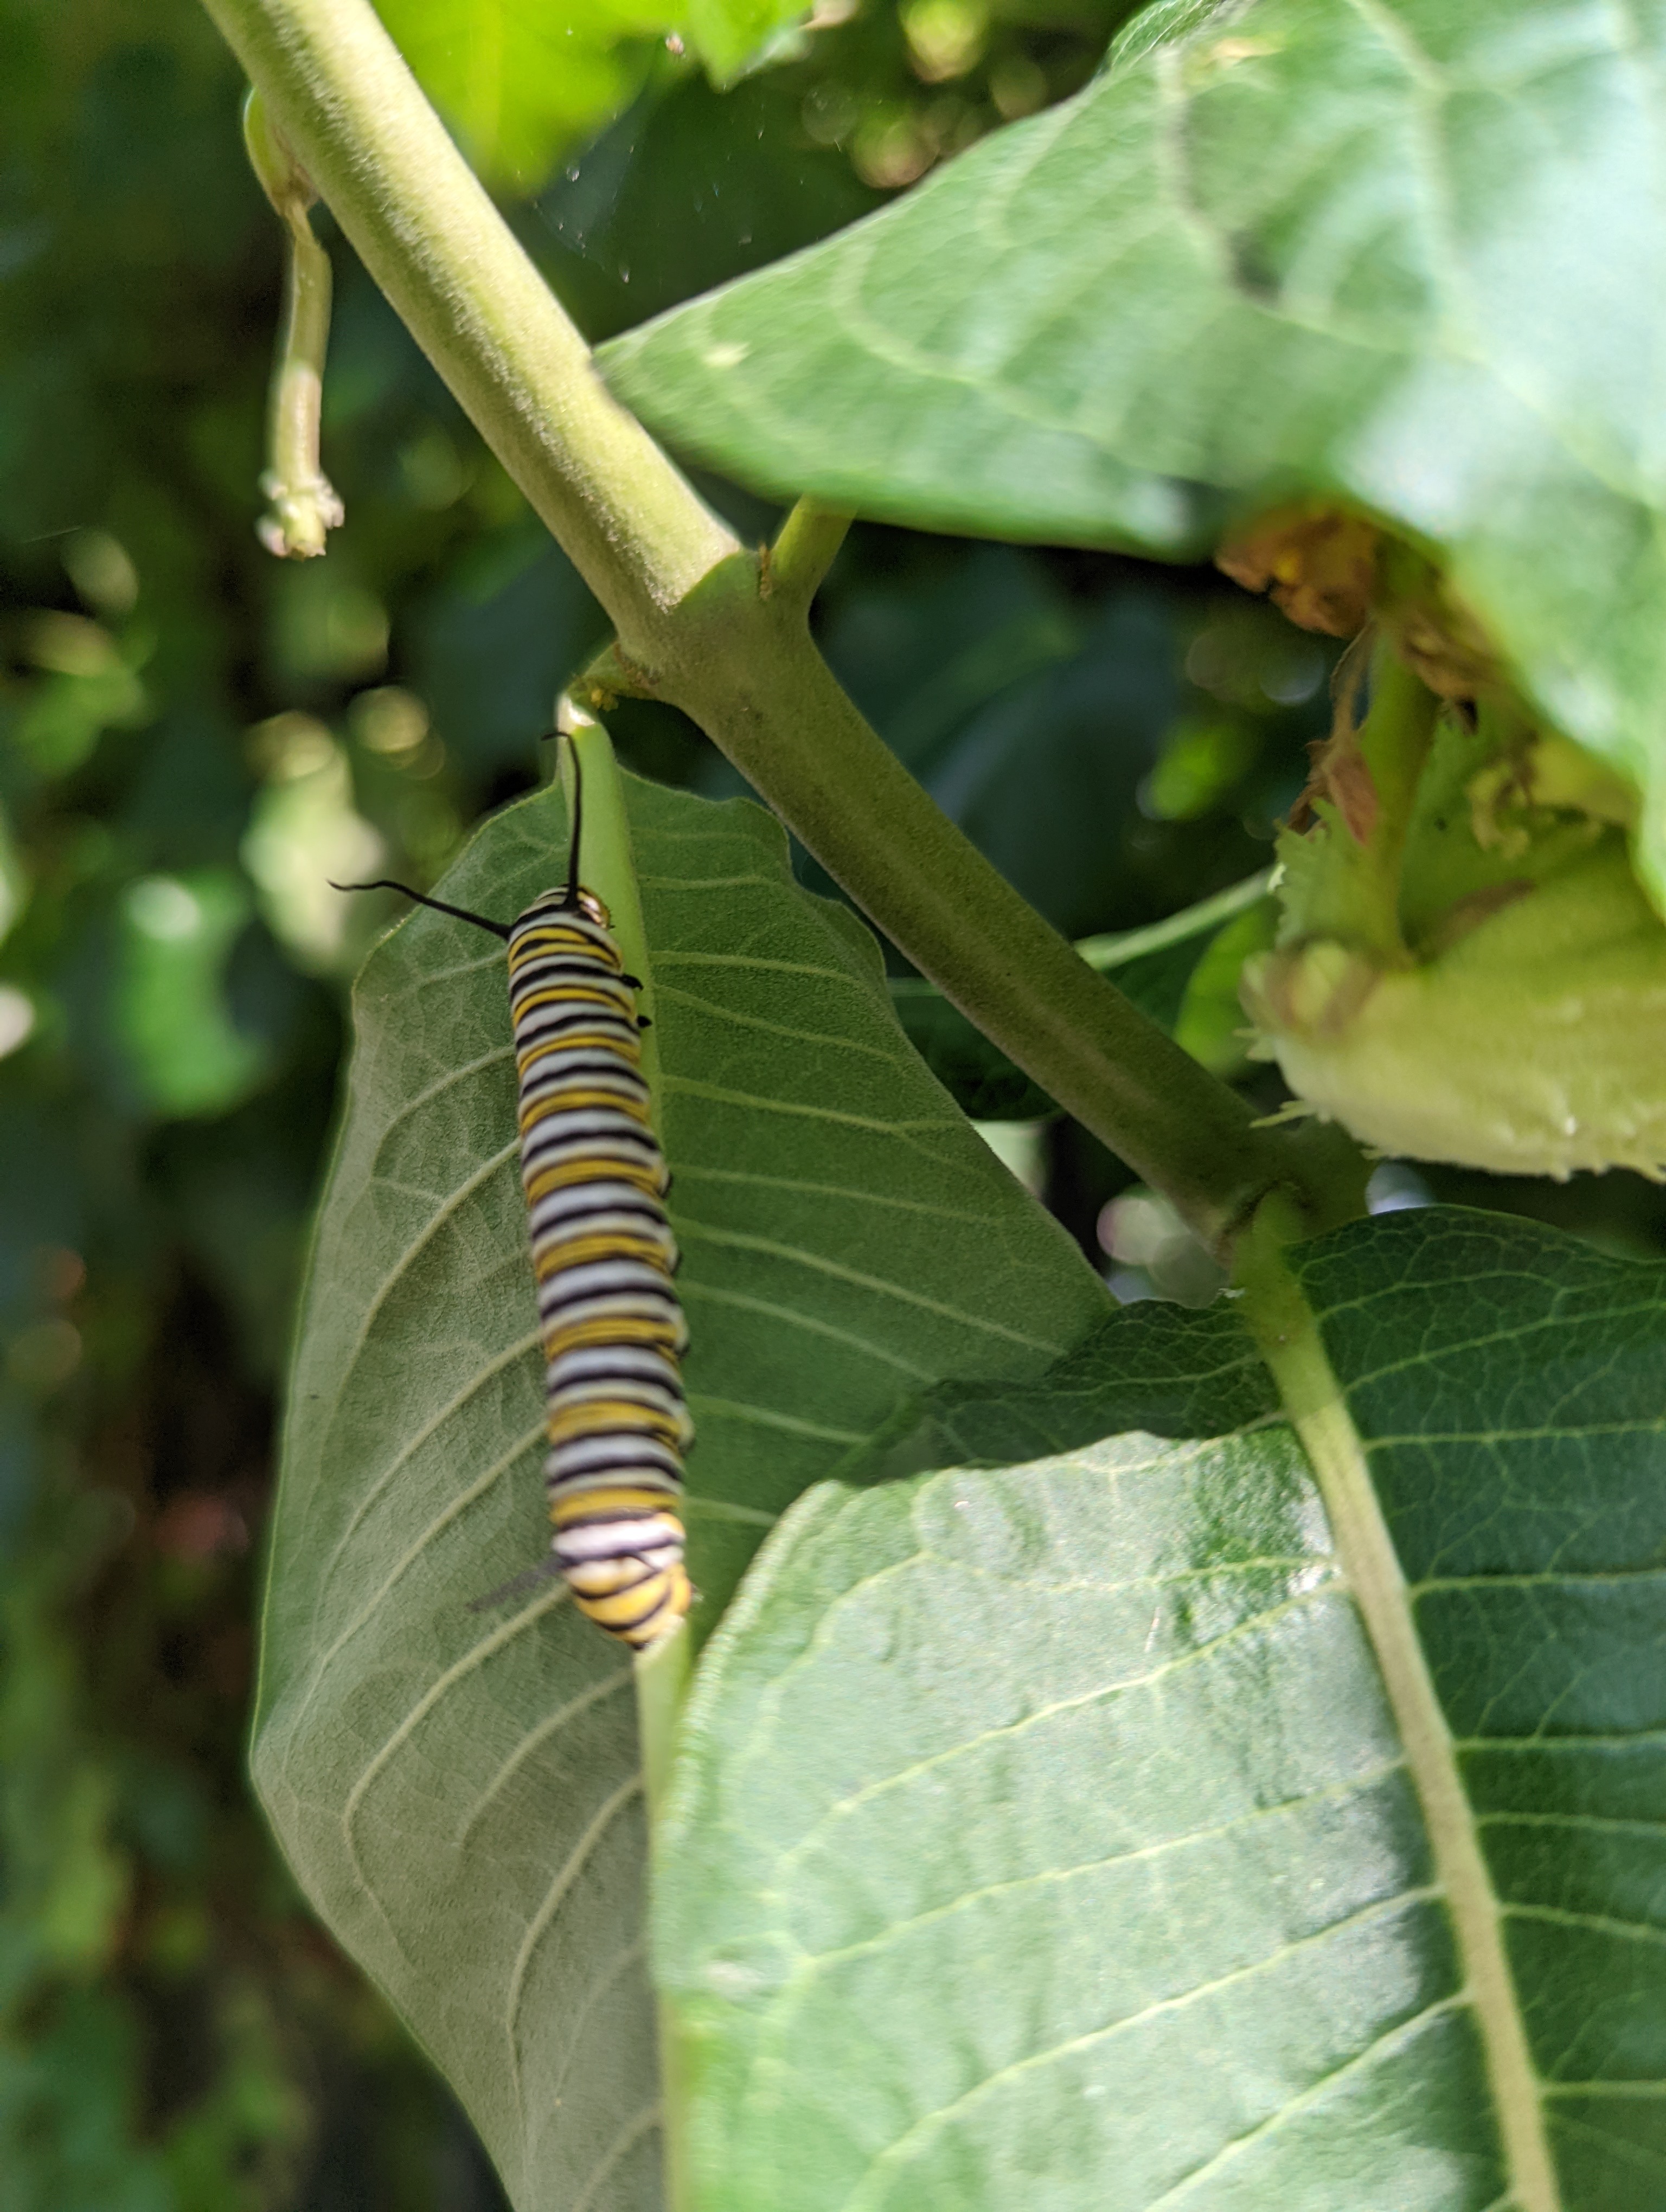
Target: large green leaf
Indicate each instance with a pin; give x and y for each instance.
(458, 1791)
(1404, 252)
(1045, 1837)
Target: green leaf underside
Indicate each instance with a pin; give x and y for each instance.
(1397, 251)
(457, 1790)
(1043, 1839)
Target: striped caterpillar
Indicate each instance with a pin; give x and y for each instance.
(611, 1323)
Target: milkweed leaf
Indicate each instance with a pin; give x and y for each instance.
(1043, 1835)
(457, 1790)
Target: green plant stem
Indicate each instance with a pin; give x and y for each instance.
(803, 551)
(423, 224)
(662, 1678)
(608, 868)
(1210, 913)
(304, 505)
(758, 689)
(698, 626)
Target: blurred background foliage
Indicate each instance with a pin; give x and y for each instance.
(194, 736)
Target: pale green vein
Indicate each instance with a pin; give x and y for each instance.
(453, 1511)
(1126, 1686)
(606, 1814)
(472, 1660)
(1592, 1924)
(1637, 2155)
(401, 1266)
(1385, 2046)
(625, 2142)
(887, 1201)
(1540, 1744)
(706, 882)
(687, 1086)
(1487, 1289)
(765, 1417)
(695, 1293)
(1539, 1579)
(695, 1508)
(794, 1255)
(1652, 1424)
(1600, 1824)
(864, 2198)
(754, 963)
(633, 1954)
(1425, 72)
(427, 978)
(827, 1040)
(1288, 1808)
(1288, 1335)
(1311, 1566)
(413, 1444)
(438, 1088)
(1647, 2092)
(534, 1741)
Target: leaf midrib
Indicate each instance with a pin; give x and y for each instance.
(1287, 1331)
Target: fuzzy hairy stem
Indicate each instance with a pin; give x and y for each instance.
(724, 636)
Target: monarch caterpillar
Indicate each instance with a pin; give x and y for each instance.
(610, 1322)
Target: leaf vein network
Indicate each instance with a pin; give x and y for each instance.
(1353, 1785)
(862, 2199)
(1102, 1693)
(817, 1263)
(574, 1864)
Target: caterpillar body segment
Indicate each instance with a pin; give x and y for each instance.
(603, 1257)
(610, 1322)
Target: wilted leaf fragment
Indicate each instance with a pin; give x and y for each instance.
(1404, 257)
(1044, 1838)
(457, 1790)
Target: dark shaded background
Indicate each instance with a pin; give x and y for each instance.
(192, 737)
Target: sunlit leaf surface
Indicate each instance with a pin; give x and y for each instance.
(1044, 1837)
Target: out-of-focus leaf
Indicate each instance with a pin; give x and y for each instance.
(170, 1007)
(1031, 717)
(521, 80)
(304, 835)
(1211, 1021)
(847, 1240)
(617, 245)
(497, 640)
(1043, 1834)
(1403, 256)
(1156, 966)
